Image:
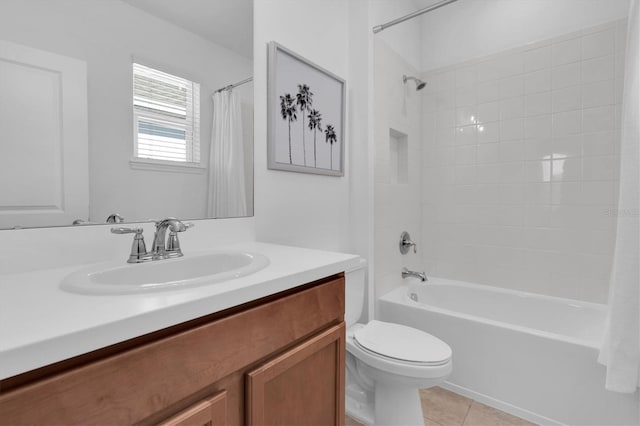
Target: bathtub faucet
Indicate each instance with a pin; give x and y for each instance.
(407, 273)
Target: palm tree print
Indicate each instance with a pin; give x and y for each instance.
(331, 138)
(315, 122)
(288, 111)
(304, 99)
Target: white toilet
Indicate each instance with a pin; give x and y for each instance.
(387, 363)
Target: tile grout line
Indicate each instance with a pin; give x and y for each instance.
(467, 413)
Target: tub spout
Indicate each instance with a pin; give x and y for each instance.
(407, 273)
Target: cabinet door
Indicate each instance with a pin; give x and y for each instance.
(303, 386)
(210, 412)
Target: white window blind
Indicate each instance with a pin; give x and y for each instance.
(166, 116)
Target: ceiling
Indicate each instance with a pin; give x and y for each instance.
(228, 23)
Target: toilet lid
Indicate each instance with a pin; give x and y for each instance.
(402, 343)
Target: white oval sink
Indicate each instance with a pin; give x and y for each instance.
(168, 274)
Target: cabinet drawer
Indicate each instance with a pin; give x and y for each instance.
(210, 412)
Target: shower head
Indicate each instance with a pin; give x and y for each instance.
(419, 83)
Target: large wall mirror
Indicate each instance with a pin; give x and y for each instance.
(141, 108)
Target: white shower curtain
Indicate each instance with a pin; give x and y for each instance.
(620, 351)
(227, 197)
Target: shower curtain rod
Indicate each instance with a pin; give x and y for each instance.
(231, 86)
(419, 12)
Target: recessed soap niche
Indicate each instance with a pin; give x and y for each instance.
(398, 157)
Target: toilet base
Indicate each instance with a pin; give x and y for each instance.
(397, 405)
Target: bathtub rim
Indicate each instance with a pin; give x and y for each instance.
(401, 295)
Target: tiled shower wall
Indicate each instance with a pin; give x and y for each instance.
(397, 179)
(520, 165)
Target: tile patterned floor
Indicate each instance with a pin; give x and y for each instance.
(444, 408)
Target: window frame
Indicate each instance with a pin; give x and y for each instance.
(192, 111)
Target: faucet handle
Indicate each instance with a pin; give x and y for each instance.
(406, 242)
(173, 224)
(173, 244)
(126, 230)
(138, 248)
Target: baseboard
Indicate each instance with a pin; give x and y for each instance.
(501, 405)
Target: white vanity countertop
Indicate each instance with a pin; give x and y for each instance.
(40, 324)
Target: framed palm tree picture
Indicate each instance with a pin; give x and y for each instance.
(306, 115)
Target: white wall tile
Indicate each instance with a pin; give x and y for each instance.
(602, 143)
(619, 67)
(538, 127)
(445, 99)
(537, 193)
(489, 132)
(598, 44)
(465, 96)
(525, 185)
(512, 86)
(488, 152)
(537, 171)
(511, 193)
(569, 169)
(565, 76)
(511, 151)
(566, 192)
(538, 81)
(511, 129)
(621, 35)
(601, 168)
(465, 175)
(567, 146)
(537, 149)
(488, 91)
(598, 93)
(488, 173)
(488, 111)
(537, 104)
(465, 116)
(600, 119)
(566, 51)
(465, 154)
(537, 59)
(567, 99)
(598, 69)
(566, 123)
(466, 135)
(445, 118)
(466, 76)
(487, 70)
(512, 108)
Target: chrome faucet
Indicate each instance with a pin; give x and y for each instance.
(163, 247)
(115, 218)
(407, 273)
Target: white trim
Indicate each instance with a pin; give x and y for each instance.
(501, 405)
(165, 166)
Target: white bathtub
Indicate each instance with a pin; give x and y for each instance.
(533, 356)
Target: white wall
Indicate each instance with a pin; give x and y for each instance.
(296, 208)
(406, 38)
(474, 28)
(106, 34)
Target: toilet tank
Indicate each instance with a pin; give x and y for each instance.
(354, 292)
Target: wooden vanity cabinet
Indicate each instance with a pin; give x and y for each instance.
(278, 360)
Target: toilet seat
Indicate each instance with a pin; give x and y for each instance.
(428, 369)
(402, 343)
